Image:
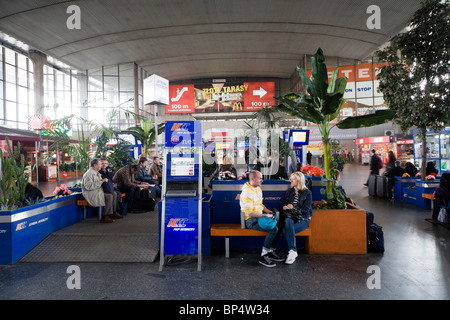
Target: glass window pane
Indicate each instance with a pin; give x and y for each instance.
(10, 56)
(10, 73)
(11, 111)
(23, 95)
(22, 77)
(22, 61)
(11, 93)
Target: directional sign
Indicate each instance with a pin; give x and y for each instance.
(182, 99)
(259, 95)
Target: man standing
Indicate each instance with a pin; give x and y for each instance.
(375, 165)
(251, 202)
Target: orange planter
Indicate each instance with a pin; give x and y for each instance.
(338, 231)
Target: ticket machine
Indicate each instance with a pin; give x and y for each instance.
(181, 196)
(298, 140)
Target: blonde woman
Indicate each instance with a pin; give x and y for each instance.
(296, 214)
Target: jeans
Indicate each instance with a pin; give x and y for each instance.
(289, 230)
(131, 194)
(252, 223)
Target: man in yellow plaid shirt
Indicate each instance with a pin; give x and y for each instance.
(251, 202)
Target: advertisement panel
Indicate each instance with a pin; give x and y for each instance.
(181, 99)
(220, 97)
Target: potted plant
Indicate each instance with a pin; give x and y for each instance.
(321, 104)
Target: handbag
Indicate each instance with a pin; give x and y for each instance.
(267, 223)
(442, 216)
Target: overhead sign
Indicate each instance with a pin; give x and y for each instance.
(220, 97)
(156, 90)
(259, 95)
(182, 99)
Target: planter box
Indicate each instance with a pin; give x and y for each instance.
(338, 231)
(425, 187)
(318, 187)
(401, 183)
(410, 196)
(22, 229)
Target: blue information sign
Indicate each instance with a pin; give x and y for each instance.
(183, 134)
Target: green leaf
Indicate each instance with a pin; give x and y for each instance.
(306, 82)
(332, 84)
(379, 117)
(319, 74)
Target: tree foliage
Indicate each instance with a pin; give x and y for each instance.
(415, 78)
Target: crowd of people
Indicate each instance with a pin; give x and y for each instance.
(101, 187)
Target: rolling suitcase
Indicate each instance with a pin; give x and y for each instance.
(373, 185)
(384, 187)
(146, 201)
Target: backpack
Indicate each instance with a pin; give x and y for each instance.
(375, 238)
(379, 163)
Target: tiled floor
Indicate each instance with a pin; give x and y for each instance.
(415, 265)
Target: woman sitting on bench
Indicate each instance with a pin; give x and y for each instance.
(296, 214)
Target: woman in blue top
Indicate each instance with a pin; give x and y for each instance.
(297, 212)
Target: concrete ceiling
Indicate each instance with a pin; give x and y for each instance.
(189, 39)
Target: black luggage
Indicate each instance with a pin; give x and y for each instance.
(384, 187)
(143, 205)
(375, 238)
(146, 201)
(373, 185)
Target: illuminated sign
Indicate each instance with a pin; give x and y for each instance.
(182, 99)
(259, 95)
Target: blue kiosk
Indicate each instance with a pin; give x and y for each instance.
(181, 197)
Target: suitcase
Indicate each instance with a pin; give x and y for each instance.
(149, 193)
(143, 205)
(384, 187)
(373, 185)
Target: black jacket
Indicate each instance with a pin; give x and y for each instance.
(303, 210)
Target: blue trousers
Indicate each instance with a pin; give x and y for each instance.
(289, 229)
(272, 235)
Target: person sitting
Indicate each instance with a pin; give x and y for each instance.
(251, 204)
(396, 171)
(431, 169)
(144, 177)
(411, 169)
(441, 195)
(296, 214)
(155, 170)
(124, 178)
(108, 186)
(91, 188)
(226, 166)
(32, 193)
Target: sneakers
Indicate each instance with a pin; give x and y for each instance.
(291, 257)
(265, 261)
(274, 257)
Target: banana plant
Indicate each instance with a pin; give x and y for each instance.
(321, 104)
(145, 133)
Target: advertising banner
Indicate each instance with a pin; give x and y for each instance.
(220, 97)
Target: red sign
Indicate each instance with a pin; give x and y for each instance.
(411, 141)
(181, 99)
(384, 139)
(259, 95)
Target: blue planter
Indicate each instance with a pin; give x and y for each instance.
(319, 189)
(22, 229)
(425, 187)
(410, 196)
(400, 184)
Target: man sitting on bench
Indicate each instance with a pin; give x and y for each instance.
(251, 203)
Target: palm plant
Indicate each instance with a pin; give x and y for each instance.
(145, 133)
(321, 105)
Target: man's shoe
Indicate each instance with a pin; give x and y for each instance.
(117, 215)
(106, 219)
(265, 261)
(274, 257)
(291, 257)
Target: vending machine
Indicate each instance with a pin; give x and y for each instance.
(181, 196)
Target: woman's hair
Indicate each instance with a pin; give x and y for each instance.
(228, 160)
(444, 182)
(301, 182)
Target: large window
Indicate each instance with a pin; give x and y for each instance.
(16, 88)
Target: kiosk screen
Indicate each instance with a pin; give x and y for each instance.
(181, 167)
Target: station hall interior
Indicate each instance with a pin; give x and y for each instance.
(89, 60)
